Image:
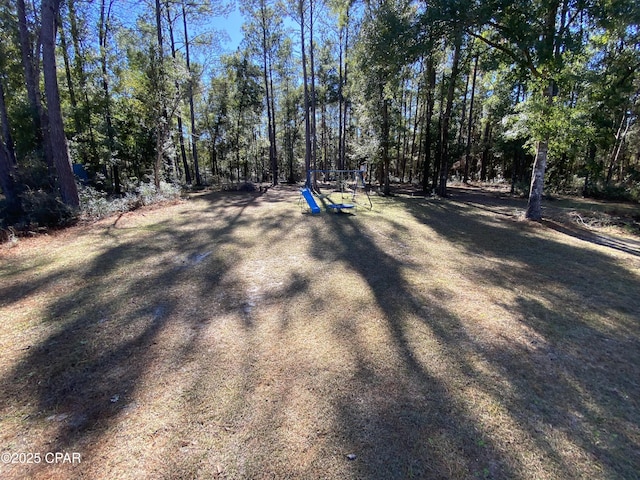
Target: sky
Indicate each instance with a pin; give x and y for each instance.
(232, 25)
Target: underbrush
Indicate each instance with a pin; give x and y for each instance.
(95, 204)
(41, 210)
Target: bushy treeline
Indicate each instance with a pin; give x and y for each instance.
(420, 92)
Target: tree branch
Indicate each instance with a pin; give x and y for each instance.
(511, 53)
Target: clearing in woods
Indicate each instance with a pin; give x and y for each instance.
(232, 335)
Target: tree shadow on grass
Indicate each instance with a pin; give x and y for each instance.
(108, 329)
(403, 411)
(573, 377)
(406, 422)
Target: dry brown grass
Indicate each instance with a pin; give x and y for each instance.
(233, 336)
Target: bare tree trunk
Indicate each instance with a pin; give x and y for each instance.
(534, 208)
(58, 143)
(192, 114)
(162, 120)
(274, 167)
(7, 159)
(438, 153)
(6, 130)
(307, 125)
(31, 73)
(340, 99)
(619, 143)
(266, 70)
(81, 76)
(386, 160)
(183, 150)
(103, 33)
(314, 130)
(444, 132)
(345, 103)
(431, 85)
(7, 183)
(414, 133)
(70, 86)
(467, 158)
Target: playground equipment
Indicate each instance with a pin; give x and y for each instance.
(308, 196)
(346, 183)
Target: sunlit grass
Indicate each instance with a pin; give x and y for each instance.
(236, 336)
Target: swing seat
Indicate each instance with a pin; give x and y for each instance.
(340, 206)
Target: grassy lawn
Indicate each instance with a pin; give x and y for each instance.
(234, 336)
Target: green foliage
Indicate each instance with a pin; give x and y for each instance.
(45, 209)
(629, 192)
(586, 50)
(97, 204)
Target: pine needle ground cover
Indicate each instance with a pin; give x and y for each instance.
(234, 336)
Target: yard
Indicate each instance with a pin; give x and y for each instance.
(233, 335)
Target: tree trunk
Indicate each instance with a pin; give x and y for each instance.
(79, 67)
(103, 32)
(486, 142)
(183, 150)
(6, 130)
(438, 153)
(31, 73)
(305, 81)
(534, 208)
(414, 133)
(57, 143)
(77, 122)
(7, 182)
(7, 160)
(345, 103)
(162, 127)
(444, 132)
(192, 114)
(314, 130)
(273, 159)
(467, 158)
(275, 168)
(386, 160)
(431, 85)
(340, 98)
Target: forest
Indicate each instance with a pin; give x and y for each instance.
(103, 100)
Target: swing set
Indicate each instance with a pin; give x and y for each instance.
(344, 183)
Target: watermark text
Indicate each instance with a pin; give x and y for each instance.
(51, 458)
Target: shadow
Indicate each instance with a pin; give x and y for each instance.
(627, 246)
(405, 422)
(571, 375)
(237, 338)
(114, 322)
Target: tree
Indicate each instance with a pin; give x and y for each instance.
(264, 31)
(308, 153)
(192, 114)
(57, 146)
(384, 47)
(7, 158)
(104, 24)
(537, 35)
(245, 107)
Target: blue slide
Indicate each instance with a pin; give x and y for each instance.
(308, 196)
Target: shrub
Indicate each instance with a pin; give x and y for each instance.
(626, 193)
(97, 204)
(44, 209)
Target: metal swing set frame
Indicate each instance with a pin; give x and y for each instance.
(312, 185)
